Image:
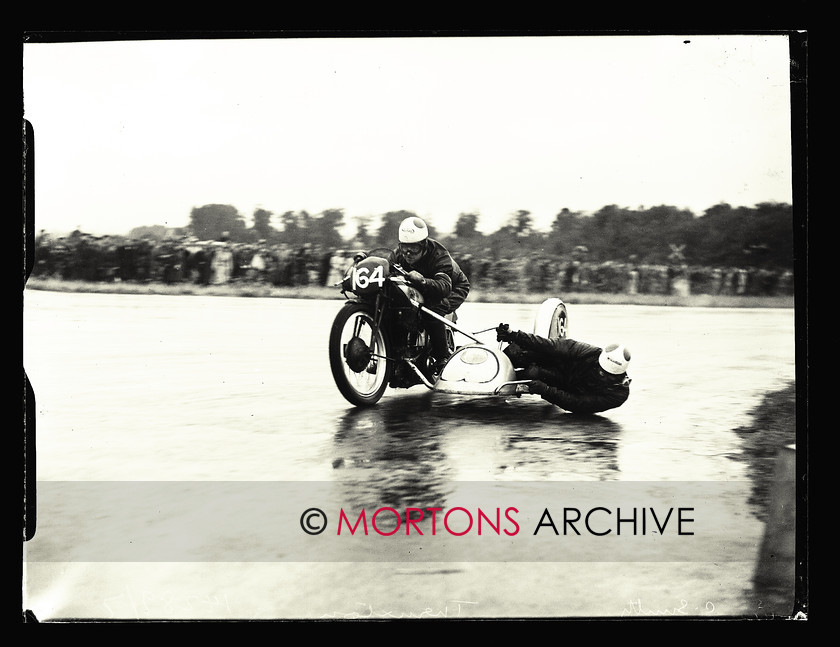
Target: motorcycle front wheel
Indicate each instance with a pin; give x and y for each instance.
(357, 355)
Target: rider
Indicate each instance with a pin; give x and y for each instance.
(433, 271)
(574, 375)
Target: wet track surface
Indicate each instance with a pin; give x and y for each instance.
(214, 389)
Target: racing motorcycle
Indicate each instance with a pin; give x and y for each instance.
(378, 339)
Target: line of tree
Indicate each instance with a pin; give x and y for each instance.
(723, 235)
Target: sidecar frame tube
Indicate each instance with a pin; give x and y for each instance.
(449, 323)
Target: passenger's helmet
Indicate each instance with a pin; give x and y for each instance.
(615, 359)
(413, 230)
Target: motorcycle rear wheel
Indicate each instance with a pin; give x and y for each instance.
(366, 386)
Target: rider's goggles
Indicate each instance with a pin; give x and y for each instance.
(411, 250)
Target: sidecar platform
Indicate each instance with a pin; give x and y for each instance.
(478, 369)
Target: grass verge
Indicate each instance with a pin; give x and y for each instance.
(772, 427)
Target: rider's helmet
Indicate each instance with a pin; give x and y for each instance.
(413, 230)
(615, 359)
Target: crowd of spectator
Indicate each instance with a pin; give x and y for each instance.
(85, 257)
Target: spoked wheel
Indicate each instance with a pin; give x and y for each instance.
(357, 356)
(552, 319)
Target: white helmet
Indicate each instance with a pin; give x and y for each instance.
(413, 230)
(615, 359)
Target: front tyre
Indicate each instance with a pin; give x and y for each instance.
(357, 356)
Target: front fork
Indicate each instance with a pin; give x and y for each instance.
(378, 313)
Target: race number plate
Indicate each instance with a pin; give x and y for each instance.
(369, 275)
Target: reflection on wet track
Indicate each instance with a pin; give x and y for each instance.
(408, 449)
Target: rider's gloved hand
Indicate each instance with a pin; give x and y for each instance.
(415, 277)
(538, 387)
(503, 332)
(531, 373)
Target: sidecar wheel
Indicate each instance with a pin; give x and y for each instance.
(552, 320)
(357, 356)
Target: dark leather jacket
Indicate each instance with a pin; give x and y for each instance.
(446, 284)
(570, 369)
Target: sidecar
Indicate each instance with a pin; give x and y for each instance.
(483, 370)
(478, 369)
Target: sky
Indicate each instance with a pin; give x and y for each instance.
(135, 133)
